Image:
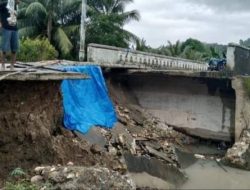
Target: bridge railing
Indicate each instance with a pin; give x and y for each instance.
(110, 55)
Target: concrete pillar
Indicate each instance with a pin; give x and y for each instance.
(242, 108)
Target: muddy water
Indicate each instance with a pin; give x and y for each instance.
(208, 175)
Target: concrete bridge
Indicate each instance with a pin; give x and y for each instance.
(108, 55)
(183, 92)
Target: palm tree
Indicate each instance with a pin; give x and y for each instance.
(174, 50)
(106, 21)
(58, 20)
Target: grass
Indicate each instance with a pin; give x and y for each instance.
(19, 181)
(20, 185)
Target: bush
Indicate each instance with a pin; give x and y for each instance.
(32, 50)
(246, 83)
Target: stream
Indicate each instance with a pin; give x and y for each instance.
(205, 174)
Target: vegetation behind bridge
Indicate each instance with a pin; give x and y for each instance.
(59, 22)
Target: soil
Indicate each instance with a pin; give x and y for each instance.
(32, 133)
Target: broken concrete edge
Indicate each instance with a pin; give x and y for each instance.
(156, 168)
(192, 74)
(204, 134)
(46, 76)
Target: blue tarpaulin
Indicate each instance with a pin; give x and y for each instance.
(86, 102)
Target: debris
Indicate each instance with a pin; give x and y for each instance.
(198, 156)
(82, 178)
(70, 164)
(71, 176)
(112, 150)
(95, 149)
(238, 156)
(159, 154)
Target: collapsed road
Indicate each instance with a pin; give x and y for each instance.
(149, 147)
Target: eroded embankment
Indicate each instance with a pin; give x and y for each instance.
(31, 131)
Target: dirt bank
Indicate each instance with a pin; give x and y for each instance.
(31, 131)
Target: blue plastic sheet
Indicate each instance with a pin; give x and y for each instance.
(86, 102)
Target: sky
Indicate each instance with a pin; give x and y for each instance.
(212, 21)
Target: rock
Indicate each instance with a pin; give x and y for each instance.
(81, 178)
(44, 188)
(38, 170)
(198, 156)
(70, 164)
(112, 150)
(121, 139)
(71, 176)
(95, 149)
(57, 177)
(126, 110)
(36, 179)
(239, 155)
(52, 169)
(65, 170)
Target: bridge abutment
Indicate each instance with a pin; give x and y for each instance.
(242, 111)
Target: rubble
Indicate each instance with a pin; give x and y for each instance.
(239, 155)
(81, 178)
(198, 156)
(149, 142)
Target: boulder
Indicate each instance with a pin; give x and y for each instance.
(239, 155)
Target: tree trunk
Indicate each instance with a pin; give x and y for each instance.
(49, 27)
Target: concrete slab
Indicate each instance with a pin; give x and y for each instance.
(42, 76)
(37, 72)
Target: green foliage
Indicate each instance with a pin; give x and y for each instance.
(57, 20)
(246, 84)
(21, 185)
(245, 42)
(194, 44)
(18, 172)
(190, 49)
(36, 50)
(106, 21)
(18, 181)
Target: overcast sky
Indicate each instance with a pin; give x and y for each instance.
(220, 21)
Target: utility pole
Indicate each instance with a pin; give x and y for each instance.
(82, 32)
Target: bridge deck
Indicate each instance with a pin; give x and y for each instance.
(195, 74)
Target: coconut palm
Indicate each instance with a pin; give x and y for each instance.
(57, 20)
(174, 50)
(106, 21)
